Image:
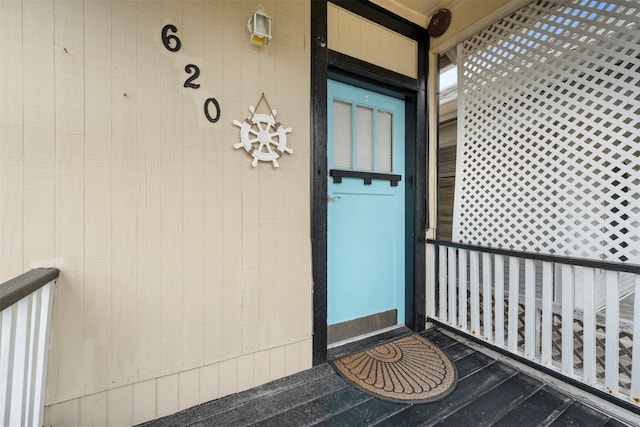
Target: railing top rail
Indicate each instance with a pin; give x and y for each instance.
(581, 262)
(15, 289)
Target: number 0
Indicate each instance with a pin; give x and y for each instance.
(206, 109)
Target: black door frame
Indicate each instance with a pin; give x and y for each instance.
(326, 64)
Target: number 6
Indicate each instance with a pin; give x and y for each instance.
(168, 38)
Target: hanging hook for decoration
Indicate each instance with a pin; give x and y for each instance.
(272, 112)
(262, 135)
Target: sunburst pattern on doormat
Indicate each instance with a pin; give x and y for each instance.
(408, 370)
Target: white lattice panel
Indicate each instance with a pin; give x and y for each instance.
(549, 131)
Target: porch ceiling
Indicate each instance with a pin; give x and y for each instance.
(467, 16)
(416, 11)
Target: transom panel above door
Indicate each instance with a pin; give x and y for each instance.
(366, 211)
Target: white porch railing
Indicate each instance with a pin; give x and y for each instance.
(25, 304)
(561, 313)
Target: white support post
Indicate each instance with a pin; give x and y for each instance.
(431, 277)
(589, 326)
(475, 292)
(453, 286)
(612, 344)
(462, 295)
(499, 299)
(547, 313)
(487, 293)
(442, 282)
(529, 309)
(635, 357)
(567, 320)
(514, 284)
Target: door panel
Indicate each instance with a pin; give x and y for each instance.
(365, 271)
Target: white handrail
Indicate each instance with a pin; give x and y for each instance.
(24, 340)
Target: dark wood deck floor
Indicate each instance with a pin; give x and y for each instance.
(489, 393)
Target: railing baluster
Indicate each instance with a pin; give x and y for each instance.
(442, 282)
(31, 380)
(431, 277)
(612, 345)
(529, 309)
(567, 319)
(589, 326)
(635, 357)
(453, 286)
(21, 356)
(487, 291)
(514, 284)
(499, 299)
(44, 320)
(462, 273)
(475, 292)
(547, 313)
(6, 359)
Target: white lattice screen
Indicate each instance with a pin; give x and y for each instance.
(549, 131)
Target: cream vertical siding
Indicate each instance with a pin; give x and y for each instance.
(185, 272)
(355, 36)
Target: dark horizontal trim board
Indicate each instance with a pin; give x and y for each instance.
(15, 289)
(370, 72)
(338, 174)
(596, 392)
(581, 262)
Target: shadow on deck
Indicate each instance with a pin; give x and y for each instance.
(489, 393)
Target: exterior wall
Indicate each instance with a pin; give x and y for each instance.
(185, 272)
(362, 39)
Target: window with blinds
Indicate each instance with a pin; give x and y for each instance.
(362, 138)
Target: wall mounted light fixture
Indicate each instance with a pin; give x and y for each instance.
(259, 26)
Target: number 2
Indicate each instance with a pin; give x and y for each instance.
(196, 73)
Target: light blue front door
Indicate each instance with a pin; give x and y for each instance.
(366, 204)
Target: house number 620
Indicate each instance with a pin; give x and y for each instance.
(173, 44)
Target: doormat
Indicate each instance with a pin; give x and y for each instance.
(407, 370)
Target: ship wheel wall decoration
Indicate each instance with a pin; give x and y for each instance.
(262, 136)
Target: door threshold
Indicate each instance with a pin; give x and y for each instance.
(364, 336)
(365, 340)
(361, 326)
